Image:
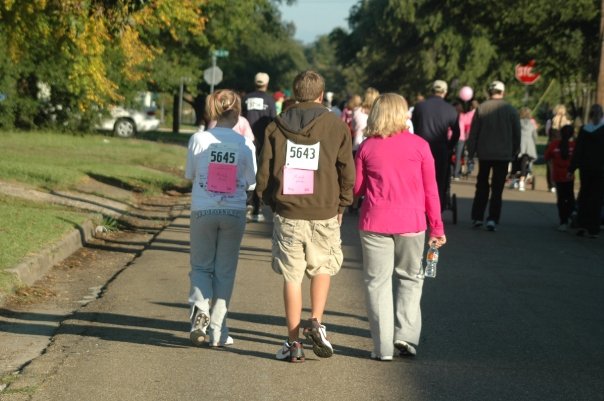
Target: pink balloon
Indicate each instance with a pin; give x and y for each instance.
(466, 93)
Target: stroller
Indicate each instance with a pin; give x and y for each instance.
(515, 172)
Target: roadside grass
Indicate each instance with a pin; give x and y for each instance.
(59, 161)
(28, 227)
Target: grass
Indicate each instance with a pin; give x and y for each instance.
(28, 227)
(54, 161)
(59, 161)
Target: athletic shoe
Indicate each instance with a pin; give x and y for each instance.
(258, 218)
(199, 324)
(293, 352)
(491, 226)
(381, 358)
(476, 224)
(563, 227)
(228, 341)
(521, 186)
(405, 349)
(316, 335)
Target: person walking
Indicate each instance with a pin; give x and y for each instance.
(495, 139)
(395, 173)
(433, 119)
(259, 109)
(559, 153)
(552, 130)
(221, 163)
(528, 146)
(306, 175)
(589, 160)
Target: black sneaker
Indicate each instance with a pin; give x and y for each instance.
(294, 352)
(199, 324)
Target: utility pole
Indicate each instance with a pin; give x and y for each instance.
(600, 84)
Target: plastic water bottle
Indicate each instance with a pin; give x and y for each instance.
(431, 261)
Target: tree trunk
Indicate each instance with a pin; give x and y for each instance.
(600, 85)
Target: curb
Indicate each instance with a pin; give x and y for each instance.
(34, 267)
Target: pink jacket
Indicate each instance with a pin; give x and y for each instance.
(396, 176)
(465, 122)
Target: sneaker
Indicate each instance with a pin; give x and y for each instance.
(491, 226)
(381, 358)
(199, 324)
(405, 349)
(258, 218)
(521, 186)
(552, 190)
(476, 224)
(316, 335)
(293, 352)
(228, 341)
(563, 227)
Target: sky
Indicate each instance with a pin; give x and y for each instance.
(316, 17)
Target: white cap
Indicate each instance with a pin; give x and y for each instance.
(261, 79)
(497, 86)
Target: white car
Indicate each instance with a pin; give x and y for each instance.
(127, 122)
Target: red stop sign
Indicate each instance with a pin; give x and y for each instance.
(524, 73)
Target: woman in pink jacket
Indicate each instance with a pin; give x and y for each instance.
(395, 174)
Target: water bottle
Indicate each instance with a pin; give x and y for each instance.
(431, 261)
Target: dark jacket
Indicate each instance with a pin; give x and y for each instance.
(589, 151)
(308, 123)
(259, 109)
(433, 118)
(495, 131)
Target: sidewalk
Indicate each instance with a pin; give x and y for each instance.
(513, 315)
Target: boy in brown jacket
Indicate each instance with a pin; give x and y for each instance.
(306, 174)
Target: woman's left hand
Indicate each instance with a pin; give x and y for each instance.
(437, 241)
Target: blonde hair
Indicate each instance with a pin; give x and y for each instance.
(370, 95)
(560, 118)
(308, 86)
(525, 112)
(223, 103)
(387, 116)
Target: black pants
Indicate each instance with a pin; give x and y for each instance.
(565, 196)
(589, 202)
(481, 197)
(442, 167)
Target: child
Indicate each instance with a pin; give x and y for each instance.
(560, 152)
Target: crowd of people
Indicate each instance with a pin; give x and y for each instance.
(310, 159)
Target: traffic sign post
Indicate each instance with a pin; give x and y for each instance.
(213, 75)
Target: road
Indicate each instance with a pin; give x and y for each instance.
(517, 314)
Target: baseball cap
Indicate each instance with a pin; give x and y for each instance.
(439, 86)
(497, 86)
(261, 78)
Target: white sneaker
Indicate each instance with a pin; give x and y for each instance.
(228, 341)
(521, 186)
(405, 349)
(563, 227)
(491, 226)
(316, 335)
(553, 190)
(381, 358)
(199, 324)
(293, 352)
(258, 218)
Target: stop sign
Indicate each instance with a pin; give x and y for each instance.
(524, 73)
(212, 75)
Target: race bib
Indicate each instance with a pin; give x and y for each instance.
(298, 182)
(222, 169)
(305, 157)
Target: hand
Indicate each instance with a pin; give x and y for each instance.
(437, 241)
(340, 215)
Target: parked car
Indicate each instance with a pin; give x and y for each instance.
(137, 116)
(127, 122)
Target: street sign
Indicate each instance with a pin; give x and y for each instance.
(221, 53)
(212, 75)
(524, 73)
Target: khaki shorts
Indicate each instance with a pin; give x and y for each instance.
(306, 246)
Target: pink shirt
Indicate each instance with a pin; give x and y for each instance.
(465, 122)
(396, 176)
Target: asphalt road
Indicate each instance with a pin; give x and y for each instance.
(517, 314)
